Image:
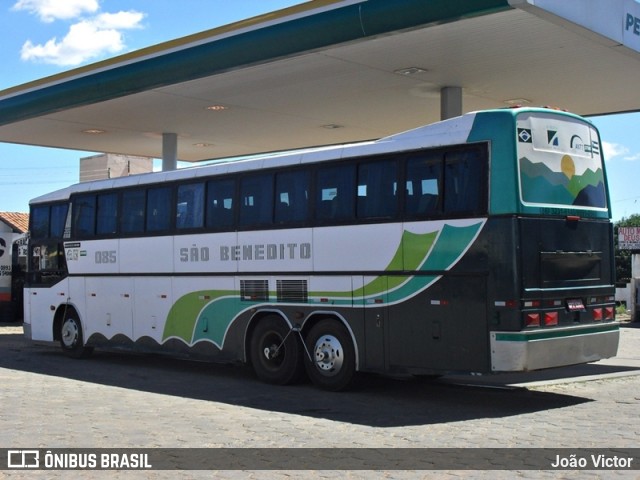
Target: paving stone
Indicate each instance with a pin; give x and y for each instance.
(116, 400)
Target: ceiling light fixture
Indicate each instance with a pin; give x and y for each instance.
(409, 71)
(216, 108)
(517, 101)
(93, 131)
(203, 145)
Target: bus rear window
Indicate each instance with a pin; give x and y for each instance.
(559, 162)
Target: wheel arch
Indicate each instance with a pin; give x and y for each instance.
(309, 321)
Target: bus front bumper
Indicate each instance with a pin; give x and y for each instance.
(26, 330)
(554, 347)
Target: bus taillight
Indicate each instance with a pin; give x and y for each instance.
(597, 314)
(532, 319)
(609, 313)
(550, 319)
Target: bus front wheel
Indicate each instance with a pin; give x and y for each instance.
(71, 338)
(276, 352)
(332, 362)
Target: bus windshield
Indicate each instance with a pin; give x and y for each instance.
(559, 162)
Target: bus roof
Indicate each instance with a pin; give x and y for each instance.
(446, 132)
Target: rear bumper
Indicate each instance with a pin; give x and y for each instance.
(546, 348)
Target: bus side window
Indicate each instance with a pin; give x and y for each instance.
(132, 219)
(292, 197)
(107, 214)
(158, 209)
(84, 216)
(190, 206)
(220, 203)
(423, 187)
(464, 179)
(377, 189)
(39, 217)
(58, 219)
(256, 200)
(335, 192)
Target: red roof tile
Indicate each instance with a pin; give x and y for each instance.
(19, 222)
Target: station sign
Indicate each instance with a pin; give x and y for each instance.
(629, 238)
(618, 20)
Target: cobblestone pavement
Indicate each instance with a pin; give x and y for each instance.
(133, 401)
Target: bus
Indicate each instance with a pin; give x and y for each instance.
(478, 244)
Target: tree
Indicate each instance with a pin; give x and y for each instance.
(623, 257)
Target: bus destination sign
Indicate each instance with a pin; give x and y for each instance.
(629, 238)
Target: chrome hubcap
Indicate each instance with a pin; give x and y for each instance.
(328, 354)
(69, 333)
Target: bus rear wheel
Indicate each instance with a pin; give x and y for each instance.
(276, 352)
(332, 365)
(71, 337)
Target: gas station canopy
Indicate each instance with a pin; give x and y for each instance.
(327, 72)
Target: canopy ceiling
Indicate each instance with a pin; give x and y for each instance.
(324, 72)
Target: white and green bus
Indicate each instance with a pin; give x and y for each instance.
(479, 244)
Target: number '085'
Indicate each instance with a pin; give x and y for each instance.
(106, 256)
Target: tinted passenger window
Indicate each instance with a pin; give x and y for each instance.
(424, 185)
(220, 207)
(335, 192)
(256, 200)
(158, 209)
(58, 219)
(107, 219)
(464, 181)
(39, 221)
(132, 219)
(84, 215)
(292, 197)
(48, 221)
(190, 206)
(377, 189)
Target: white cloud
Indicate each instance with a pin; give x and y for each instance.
(50, 10)
(613, 150)
(119, 21)
(85, 40)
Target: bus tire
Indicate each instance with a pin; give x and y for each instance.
(276, 352)
(332, 365)
(71, 337)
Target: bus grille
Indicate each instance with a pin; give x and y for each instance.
(254, 290)
(292, 291)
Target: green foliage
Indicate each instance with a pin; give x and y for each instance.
(623, 257)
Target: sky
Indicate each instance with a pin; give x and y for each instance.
(45, 37)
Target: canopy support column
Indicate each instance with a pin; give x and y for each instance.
(169, 151)
(450, 102)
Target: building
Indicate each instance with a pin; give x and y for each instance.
(111, 165)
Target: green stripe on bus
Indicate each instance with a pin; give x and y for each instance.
(206, 315)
